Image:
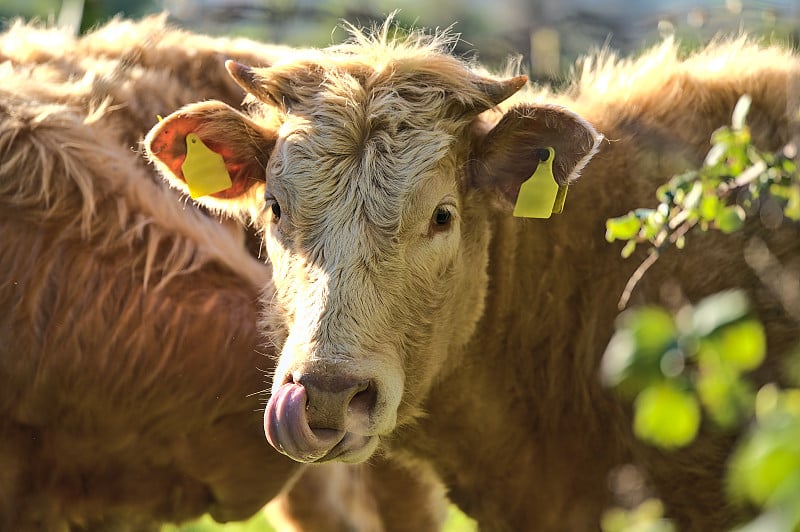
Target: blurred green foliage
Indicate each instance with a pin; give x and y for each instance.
(678, 367)
(548, 35)
(734, 176)
(671, 366)
(456, 522)
(89, 13)
(765, 468)
(257, 523)
(647, 517)
(734, 168)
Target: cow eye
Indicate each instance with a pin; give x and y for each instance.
(442, 216)
(274, 206)
(441, 219)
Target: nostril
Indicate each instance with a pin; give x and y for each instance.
(363, 402)
(337, 402)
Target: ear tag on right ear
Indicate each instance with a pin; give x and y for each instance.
(561, 199)
(204, 169)
(540, 196)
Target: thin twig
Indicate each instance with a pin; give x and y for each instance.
(724, 189)
(637, 275)
(635, 278)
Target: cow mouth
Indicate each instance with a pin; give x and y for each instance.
(288, 431)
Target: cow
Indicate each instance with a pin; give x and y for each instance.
(131, 364)
(414, 313)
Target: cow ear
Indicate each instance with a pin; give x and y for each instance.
(509, 154)
(213, 153)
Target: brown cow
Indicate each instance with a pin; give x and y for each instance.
(130, 387)
(411, 308)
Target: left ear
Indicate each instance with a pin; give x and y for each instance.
(509, 153)
(242, 146)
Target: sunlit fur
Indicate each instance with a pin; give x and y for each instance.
(131, 367)
(489, 334)
(553, 289)
(368, 149)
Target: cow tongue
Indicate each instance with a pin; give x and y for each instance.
(287, 428)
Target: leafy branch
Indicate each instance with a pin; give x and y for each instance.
(734, 176)
(678, 368)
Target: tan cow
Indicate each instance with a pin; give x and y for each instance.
(131, 366)
(412, 309)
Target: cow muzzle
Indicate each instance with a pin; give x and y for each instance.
(316, 418)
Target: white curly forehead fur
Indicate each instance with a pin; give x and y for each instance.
(365, 125)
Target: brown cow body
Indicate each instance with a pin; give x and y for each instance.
(129, 352)
(538, 428)
(411, 308)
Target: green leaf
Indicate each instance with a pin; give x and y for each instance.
(653, 328)
(743, 345)
(727, 398)
(652, 225)
(766, 467)
(788, 166)
(709, 207)
(778, 519)
(628, 249)
(622, 228)
(718, 310)
(792, 209)
(666, 416)
(633, 357)
(730, 219)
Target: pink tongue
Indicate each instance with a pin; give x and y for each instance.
(287, 429)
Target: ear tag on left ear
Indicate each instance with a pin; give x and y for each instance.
(204, 169)
(541, 196)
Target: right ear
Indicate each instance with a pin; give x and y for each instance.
(509, 154)
(244, 146)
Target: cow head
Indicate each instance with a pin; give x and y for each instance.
(373, 170)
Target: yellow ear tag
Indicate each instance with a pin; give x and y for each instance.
(561, 199)
(204, 169)
(540, 196)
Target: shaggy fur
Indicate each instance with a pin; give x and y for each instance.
(480, 337)
(131, 367)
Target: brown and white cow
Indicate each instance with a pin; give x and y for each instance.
(412, 309)
(130, 387)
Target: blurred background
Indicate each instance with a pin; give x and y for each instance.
(548, 34)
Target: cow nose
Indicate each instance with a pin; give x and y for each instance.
(337, 402)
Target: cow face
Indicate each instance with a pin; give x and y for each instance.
(371, 172)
